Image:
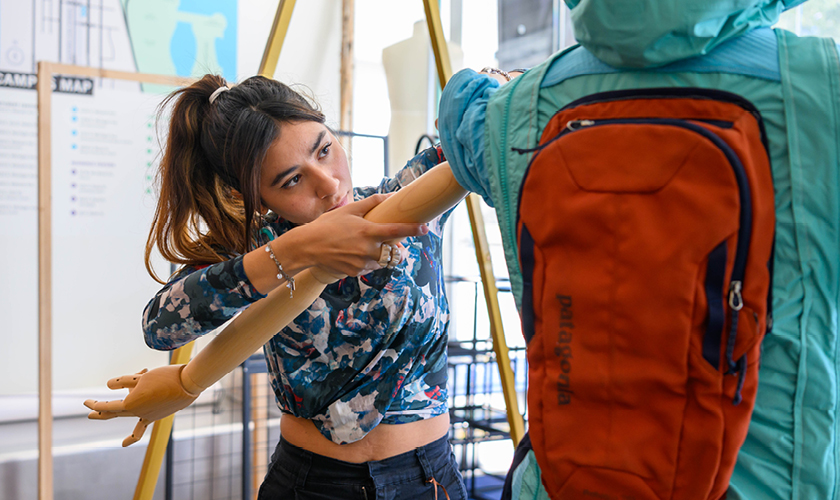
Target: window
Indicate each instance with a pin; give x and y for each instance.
(813, 18)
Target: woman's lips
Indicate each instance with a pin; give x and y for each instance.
(344, 201)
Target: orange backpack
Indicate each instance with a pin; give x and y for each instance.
(645, 229)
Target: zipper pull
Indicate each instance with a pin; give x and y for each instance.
(573, 125)
(736, 300)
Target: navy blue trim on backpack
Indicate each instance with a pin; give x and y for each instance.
(715, 276)
(526, 257)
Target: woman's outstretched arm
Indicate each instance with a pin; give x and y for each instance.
(165, 390)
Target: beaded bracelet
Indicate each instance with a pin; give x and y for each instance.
(281, 274)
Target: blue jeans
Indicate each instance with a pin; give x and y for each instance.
(297, 474)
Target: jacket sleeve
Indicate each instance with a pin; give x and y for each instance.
(195, 302)
(463, 105)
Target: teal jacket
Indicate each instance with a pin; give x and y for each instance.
(792, 450)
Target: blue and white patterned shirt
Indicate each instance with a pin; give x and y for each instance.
(370, 349)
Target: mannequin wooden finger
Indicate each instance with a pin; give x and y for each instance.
(108, 415)
(126, 381)
(139, 430)
(106, 406)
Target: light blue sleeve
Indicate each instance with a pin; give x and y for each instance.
(461, 125)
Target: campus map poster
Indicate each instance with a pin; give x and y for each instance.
(104, 149)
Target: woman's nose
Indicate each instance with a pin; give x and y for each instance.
(327, 185)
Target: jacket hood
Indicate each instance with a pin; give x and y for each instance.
(649, 33)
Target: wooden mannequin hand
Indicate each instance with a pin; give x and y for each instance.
(151, 395)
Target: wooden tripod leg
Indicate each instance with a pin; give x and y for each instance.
(482, 250)
(259, 416)
(150, 470)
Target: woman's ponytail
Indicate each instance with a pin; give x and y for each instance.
(197, 214)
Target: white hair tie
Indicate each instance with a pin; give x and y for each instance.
(216, 93)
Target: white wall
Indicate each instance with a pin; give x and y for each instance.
(311, 53)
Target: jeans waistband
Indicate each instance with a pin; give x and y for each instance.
(421, 462)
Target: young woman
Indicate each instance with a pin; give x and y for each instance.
(255, 188)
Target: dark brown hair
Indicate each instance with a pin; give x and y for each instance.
(210, 167)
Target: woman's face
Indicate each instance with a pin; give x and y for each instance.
(305, 173)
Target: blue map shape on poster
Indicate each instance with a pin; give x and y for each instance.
(186, 38)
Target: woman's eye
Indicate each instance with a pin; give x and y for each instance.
(325, 150)
(291, 182)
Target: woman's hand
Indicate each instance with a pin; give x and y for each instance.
(343, 243)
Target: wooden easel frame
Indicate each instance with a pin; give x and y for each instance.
(46, 70)
(482, 247)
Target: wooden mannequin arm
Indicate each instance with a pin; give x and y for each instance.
(428, 196)
(165, 390)
(250, 330)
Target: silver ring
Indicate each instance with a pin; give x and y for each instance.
(496, 71)
(396, 257)
(385, 254)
